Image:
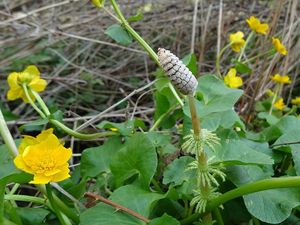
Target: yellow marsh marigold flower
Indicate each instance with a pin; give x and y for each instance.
(280, 48)
(44, 157)
(231, 80)
(296, 101)
(98, 3)
(284, 79)
(279, 104)
(113, 129)
(256, 26)
(237, 41)
(31, 77)
(270, 93)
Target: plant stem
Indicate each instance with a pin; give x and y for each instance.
(117, 206)
(218, 216)
(156, 185)
(162, 117)
(32, 102)
(7, 138)
(63, 219)
(41, 102)
(261, 185)
(243, 49)
(59, 124)
(274, 98)
(26, 198)
(80, 135)
(142, 42)
(195, 120)
(257, 56)
(219, 58)
(60, 204)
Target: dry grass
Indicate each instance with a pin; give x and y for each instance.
(88, 72)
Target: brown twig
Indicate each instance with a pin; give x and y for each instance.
(117, 206)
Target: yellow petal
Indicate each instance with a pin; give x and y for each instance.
(33, 70)
(14, 94)
(40, 179)
(231, 73)
(52, 172)
(26, 141)
(44, 134)
(64, 174)
(263, 28)
(12, 80)
(296, 101)
(98, 3)
(20, 164)
(38, 84)
(62, 155)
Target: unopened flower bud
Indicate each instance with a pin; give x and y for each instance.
(178, 73)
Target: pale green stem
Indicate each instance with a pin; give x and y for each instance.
(60, 204)
(26, 198)
(143, 43)
(41, 102)
(14, 189)
(7, 137)
(257, 56)
(274, 98)
(261, 185)
(63, 219)
(61, 125)
(244, 47)
(162, 117)
(32, 102)
(81, 135)
(218, 67)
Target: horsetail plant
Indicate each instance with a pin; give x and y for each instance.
(194, 143)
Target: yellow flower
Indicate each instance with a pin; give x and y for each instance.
(296, 101)
(113, 129)
(231, 80)
(31, 77)
(256, 26)
(280, 48)
(270, 93)
(98, 3)
(279, 104)
(237, 41)
(44, 157)
(284, 79)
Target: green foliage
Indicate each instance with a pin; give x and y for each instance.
(165, 219)
(96, 160)
(215, 107)
(133, 163)
(32, 216)
(119, 34)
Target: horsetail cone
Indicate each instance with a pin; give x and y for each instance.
(178, 73)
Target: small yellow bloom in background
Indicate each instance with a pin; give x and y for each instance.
(31, 77)
(270, 93)
(44, 157)
(113, 129)
(237, 40)
(296, 101)
(98, 3)
(257, 26)
(280, 48)
(279, 104)
(284, 79)
(231, 80)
